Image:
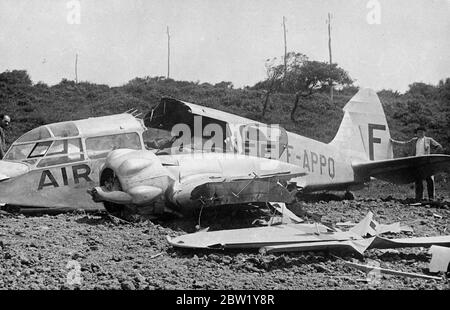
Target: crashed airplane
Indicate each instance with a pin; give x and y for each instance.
(227, 168)
(52, 166)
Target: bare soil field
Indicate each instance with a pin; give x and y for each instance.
(94, 251)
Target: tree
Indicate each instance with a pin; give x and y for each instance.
(224, 84)
(302, 77)
(15, 77)
(305, 77)
(444, 90)
(274, 72)
(419, 89)
(277, 72)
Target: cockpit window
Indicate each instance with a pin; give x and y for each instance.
(39, 133)
(99, 147)
(66, 129)
(49, 152)
(19, 152)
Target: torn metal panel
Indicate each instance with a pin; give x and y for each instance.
(346, 224)
(349, 245)
(369, 227)
(305, 237)
(393, 228)
(440, 259)
(383, 243)
(362, 245)
(287, 215)
(171, 110)
(258, 237)
(366, 227)
(295, 238)
(242, 191)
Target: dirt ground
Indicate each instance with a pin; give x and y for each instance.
(94, 251)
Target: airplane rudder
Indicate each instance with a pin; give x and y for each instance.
(364, 128)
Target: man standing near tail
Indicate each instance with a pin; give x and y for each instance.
(5, 120)
(423, 146)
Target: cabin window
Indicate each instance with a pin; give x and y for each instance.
(19, 152)
(61, 147)
(63, 152)
(99, 147)
(66, 129)
(39, 133)
(40, 149)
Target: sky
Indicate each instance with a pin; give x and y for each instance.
(381, 43)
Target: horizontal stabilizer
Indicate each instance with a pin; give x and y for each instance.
(403, 170)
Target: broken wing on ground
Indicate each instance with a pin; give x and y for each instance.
(303, 237)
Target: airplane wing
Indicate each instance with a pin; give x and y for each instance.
(256, 188)
(403, 170)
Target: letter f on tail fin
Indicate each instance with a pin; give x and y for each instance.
(364, 132)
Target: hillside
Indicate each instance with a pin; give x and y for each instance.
(102, 252)
(33, 104)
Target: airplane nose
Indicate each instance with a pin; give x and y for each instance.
(135, 177)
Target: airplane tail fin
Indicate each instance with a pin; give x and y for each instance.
(364, 132)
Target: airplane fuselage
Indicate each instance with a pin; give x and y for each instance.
(326, 166)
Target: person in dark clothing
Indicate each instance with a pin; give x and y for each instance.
(5, 120)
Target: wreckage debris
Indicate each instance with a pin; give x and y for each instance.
(305, 237)
(287, 215)
(156, 255)
(369, 227)
(361, 245)
(440, 259)
(368, 268)
(255, 237)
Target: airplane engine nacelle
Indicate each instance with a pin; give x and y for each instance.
(133, 177)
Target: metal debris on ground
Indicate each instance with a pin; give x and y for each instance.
(368, 268)
(440, 259)
(156, 255)
(304, 237)
(287, 216)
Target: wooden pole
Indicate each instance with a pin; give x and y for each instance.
(285, 46)
(76, 68)
(329, 50)
(168, 53)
